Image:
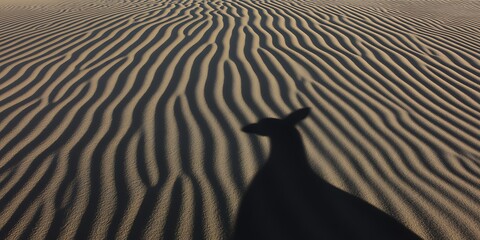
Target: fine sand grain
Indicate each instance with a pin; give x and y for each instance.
(122, 118)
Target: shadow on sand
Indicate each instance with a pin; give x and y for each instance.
(288, 200)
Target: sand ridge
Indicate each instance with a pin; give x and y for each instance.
(121, 119)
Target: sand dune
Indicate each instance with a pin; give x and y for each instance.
(122, 118)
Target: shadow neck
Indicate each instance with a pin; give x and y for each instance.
(287, 148)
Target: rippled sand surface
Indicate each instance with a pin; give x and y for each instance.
(122, 118)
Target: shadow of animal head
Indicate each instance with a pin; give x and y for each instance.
(286, 146)
(275, 126)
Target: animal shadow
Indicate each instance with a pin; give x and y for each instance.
(288, 200)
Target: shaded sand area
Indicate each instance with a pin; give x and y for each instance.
(122, 118)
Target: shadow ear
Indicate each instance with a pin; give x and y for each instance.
(255, 129)
(297, 116)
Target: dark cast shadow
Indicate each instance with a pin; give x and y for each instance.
(288, 200)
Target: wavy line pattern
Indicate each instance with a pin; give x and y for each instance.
(120, 119)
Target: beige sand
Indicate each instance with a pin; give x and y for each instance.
(122, 118)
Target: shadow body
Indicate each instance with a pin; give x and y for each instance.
(288, 200)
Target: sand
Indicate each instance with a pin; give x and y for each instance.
(122, 118)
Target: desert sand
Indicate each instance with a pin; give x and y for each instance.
(122, 119)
